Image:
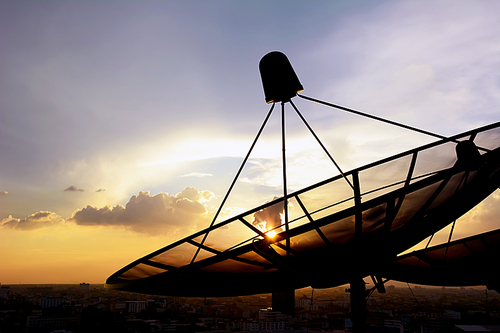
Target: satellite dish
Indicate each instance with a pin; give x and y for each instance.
(464, 262)
(414, 201)
(349, 226)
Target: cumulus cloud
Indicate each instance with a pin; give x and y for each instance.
(34, 221)
(161, 213)
(268, 218)
(73, 189)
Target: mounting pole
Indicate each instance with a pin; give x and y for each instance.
(358, 305)
(357, 286)
(280, 84)
(285, 192)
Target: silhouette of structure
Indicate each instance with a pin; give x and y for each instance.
(278, 78)
(464, 262)
(349, 227)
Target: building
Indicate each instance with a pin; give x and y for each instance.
(50, 302)
(136, 306)
(51, 321)
(4, 292)
(85, 290)
(303, 303)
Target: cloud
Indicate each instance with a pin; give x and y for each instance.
(34, 221)
(4, 192)
(100, 190)
(73, 189)
(161, 213)
(270, 217)
(197, 174)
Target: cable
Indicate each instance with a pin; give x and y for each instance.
(382, 119)
(426, 246)
(321, 144)
(235, 179)
(449, 239)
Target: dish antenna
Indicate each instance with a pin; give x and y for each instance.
(349, 226)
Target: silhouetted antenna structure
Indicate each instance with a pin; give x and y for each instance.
(449, 237)
(279, 80)
(339, 234)
(411, 128)
(235, 179)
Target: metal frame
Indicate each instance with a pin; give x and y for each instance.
(264, 244)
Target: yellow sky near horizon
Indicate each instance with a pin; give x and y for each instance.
(70, 254)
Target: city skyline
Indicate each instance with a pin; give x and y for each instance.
(123, 124)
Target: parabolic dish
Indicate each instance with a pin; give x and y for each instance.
(470, 261)
(335, 235)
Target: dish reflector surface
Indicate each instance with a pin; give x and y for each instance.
(404, 199)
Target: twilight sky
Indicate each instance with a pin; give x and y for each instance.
(123, 123)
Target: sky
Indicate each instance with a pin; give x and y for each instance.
(123, 123)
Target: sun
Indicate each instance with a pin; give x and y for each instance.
(271, 233)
